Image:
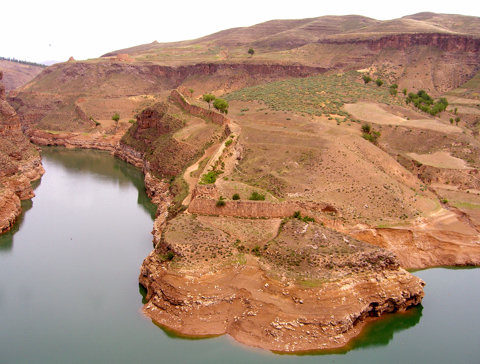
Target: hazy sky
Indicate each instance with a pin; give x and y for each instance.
(55, 30)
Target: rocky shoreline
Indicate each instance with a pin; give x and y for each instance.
(257, 311)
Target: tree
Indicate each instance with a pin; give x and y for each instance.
(251, 51)
(366, 79)
(221, 105)
(116, 118)
(208, 98)
(379, 82)
(405, 91)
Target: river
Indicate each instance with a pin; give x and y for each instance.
(69, 288)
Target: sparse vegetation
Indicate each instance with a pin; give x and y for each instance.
(316, 95)
(369, 134)
(220, 202)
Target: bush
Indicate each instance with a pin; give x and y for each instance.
(131, 121)
(366, 79)
(228, 142)
(255, 196)
(208, 178)
(379, 82)
(220, 202)
(366, 128)
(405, 91)
(236, 196)
(116, 117)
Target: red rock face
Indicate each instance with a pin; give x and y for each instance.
(445, 42)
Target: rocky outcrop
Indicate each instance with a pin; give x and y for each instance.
(255, 310)
(443, 41)
(19, 164)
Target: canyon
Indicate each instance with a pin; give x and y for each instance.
(324, 249)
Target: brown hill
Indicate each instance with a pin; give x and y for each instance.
(17, 74)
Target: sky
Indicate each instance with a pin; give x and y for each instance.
(39, 31)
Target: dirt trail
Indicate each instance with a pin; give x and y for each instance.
(192, 181)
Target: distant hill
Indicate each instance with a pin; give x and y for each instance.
(16, 74)
(281, 35)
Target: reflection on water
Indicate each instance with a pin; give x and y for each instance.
(6, 239)
(94, 162)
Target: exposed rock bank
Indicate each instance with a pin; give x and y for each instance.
(20, 164)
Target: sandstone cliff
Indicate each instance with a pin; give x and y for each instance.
(19, 164)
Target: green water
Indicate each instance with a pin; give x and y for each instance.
(69, 288)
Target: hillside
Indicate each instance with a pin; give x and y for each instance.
(17, 74)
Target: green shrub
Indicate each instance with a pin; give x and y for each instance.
(116, 117)
(228, 142)
(236, 196)
(366, 79)
(366, 128)
(379, 82)
(220, 202)
(255, 196)
(131, 121)
(208, 178)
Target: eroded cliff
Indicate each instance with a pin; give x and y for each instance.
(19, 164)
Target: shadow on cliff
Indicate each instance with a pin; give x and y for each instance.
(376, 333)
(6, 239)
(104, 165)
